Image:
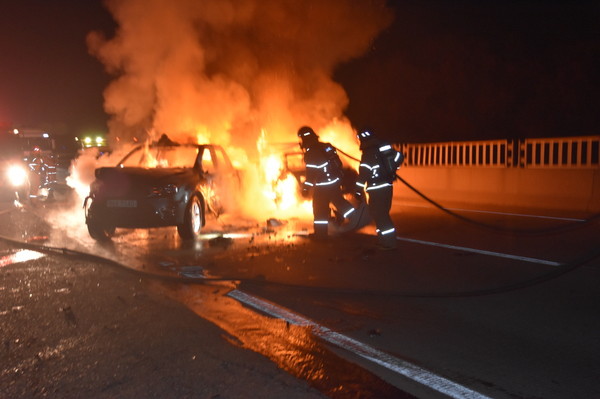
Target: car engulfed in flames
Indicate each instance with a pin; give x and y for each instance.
(161, 184)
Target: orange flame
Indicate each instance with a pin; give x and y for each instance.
(278, 185)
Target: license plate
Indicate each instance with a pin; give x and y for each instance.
(121, 203)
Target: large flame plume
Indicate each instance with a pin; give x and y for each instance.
(234, 72)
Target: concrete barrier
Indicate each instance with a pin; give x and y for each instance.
(572, 190)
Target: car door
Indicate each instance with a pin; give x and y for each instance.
(223, 180)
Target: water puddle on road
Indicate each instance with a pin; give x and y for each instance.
(293, 348)
(19, 256)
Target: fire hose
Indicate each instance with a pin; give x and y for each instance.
(70, 253)
(547, 230)
(561, 270)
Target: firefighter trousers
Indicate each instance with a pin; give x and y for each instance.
(380, 203)
(322, 197)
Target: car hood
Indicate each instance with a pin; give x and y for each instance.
(142, 173)
(136, 182)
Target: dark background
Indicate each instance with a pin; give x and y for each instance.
(467, 70)
(444, 70)
(47, 78)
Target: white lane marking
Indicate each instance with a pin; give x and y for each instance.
(525, 215)
(415, 373)
(19, 257)
(483, 252)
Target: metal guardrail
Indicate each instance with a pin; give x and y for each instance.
(566, 152)
(562, 152)
(497, 153)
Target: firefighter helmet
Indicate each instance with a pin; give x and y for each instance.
(365, 134)
(307, 135)
(306, 132)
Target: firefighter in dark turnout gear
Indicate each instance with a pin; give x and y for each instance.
(376, 175)
(323, 177)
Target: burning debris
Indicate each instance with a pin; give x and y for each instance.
(272, 222)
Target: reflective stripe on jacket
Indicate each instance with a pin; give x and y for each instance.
(372, 173)
(322, 165)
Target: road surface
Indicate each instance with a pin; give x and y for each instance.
(480, 304)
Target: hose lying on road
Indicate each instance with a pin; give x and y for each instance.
(559, 271)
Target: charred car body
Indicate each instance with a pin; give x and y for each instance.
(162, 184)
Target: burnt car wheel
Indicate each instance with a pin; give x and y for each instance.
(99, 231)
(192, 220)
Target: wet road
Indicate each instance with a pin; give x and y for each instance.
(460, 310)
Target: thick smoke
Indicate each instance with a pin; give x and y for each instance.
(226, 70)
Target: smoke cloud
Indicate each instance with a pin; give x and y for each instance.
(227, 71)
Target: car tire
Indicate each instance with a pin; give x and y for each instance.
(99, 231)
(192, 219)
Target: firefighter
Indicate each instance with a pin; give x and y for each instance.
(376, 174)
(323, 177)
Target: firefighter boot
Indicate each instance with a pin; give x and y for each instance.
(387, 242)
(320, 231)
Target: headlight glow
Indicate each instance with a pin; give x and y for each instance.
(17, 175)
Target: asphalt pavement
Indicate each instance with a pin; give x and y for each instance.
(75, 327)
(475, 309)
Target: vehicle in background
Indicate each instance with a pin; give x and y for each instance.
(14, 172)
(47, 174)
(161, 184)
(96, 143)
(35, 151)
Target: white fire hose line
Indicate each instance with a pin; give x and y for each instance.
(404, 368)
(483, 252)
(472, 250)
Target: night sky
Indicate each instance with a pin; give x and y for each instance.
(467, 70)
(47, 78)
(444, 70)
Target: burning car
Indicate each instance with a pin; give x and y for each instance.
(161, 184)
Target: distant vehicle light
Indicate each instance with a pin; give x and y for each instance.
(15, 131)
(17, 175)
(99, 140)
(87, 140)
(45, 135)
